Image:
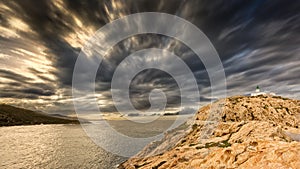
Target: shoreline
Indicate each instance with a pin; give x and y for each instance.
(14, 116)
(248, 131)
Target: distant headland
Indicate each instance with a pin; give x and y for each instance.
(11, 116)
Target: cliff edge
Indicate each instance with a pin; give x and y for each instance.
(236, 132)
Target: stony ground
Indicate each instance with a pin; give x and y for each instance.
(237, 132)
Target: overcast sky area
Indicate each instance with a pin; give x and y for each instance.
(257, 41)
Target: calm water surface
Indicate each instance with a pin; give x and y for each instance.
(51, 146)
(66, 146)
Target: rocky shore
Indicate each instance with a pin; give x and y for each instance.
(236, 132)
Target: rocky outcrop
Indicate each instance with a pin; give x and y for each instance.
(236, 132)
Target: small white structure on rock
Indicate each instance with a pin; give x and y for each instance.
(258, 92)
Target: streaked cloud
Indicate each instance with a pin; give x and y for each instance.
(258, 43)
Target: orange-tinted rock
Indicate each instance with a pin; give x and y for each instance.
(248, 132)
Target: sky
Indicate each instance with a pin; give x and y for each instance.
(257, 42)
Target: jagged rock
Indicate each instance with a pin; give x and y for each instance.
(236, 132)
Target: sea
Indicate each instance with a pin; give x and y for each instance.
(66, 145)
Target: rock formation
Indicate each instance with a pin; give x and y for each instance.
(236, 132)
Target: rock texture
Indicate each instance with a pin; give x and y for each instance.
(236, 132)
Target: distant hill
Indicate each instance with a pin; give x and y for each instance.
(10, 116)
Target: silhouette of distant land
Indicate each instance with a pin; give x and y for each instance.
(11, 116)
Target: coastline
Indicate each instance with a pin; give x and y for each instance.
(14, 116)
(246, 135)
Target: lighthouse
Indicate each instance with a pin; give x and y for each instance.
(257, 89)
(258, 92)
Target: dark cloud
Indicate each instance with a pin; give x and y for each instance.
(258, 43)
(23, 87)
(39, 92)
(14, 76)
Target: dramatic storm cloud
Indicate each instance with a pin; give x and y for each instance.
(257, 41)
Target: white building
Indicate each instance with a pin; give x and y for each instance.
(258, 92)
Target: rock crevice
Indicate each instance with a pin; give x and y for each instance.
(236, 132)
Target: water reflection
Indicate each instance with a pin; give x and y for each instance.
(51, 146)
